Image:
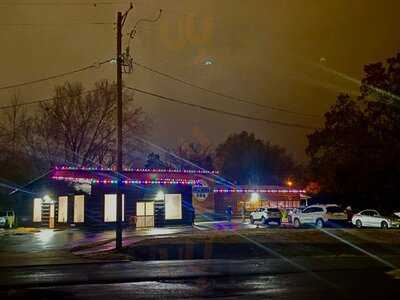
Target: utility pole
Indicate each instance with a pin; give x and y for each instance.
(124, 64)
(118, 241)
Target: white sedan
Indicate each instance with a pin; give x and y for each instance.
(371, 218)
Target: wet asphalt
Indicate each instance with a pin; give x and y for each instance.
(339, 278)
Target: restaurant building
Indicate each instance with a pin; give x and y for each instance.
(71, 196)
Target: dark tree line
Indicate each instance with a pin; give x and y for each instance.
(247, 160)
(356, 154)
(241, 158)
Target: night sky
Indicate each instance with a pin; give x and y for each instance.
(293, 54)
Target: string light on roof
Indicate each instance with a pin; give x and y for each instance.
(166, 181)
(140, 170)
(294, 191)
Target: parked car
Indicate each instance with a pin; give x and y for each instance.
(7, 219)
(266, 215)
(3, 221)
(372, 218)
(291, 212)
(320, 216)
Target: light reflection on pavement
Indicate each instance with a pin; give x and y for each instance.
(56, 239)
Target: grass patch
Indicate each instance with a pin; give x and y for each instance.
(246, 244)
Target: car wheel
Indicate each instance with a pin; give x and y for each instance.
(296, 223)
(384, 225)
(251, 220)
(319, 223)
(358, 224)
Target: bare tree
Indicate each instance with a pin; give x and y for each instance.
(79, 127)
(196, 152)
(12, 120)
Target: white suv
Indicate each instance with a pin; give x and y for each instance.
(266, 215)
(320, 216)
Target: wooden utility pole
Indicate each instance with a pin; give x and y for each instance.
(118, 241)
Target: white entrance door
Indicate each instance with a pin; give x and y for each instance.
(79, 209)
(62, 209)
(52, 215)
(144, 214)
(37, 210)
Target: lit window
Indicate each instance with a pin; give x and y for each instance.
(110, 208)
(37, 210)
(173, 207)
(79, 209)
(62, 209)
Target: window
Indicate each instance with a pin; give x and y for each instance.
(110, 207)
(79, 209)
(173, 207)
(62, 209)
(318, 209)
(37, 210)
(368, 213)
(308, 210)
(334, 209)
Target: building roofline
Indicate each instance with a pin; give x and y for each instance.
(137, 170)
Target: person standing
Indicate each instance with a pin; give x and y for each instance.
(193, 215)
(229, 213)
(243, 213)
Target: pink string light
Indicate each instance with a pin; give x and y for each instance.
(294, 191)
(109, 181)
(139, 170)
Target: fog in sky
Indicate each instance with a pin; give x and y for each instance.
(291, 54)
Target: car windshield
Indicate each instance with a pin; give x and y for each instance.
(334, 209)
(274, 210)
(395, 216)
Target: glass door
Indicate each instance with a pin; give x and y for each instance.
(145, 214)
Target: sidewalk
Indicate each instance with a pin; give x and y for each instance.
(18, 231)
(27, 247)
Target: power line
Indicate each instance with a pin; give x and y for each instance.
(38, 101)
(27, 103)
(232, 98)
(96, 65)
(220, 111)
(91, 3)
(132, 33)
(54, 24)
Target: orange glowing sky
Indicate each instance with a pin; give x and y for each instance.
(266, 51)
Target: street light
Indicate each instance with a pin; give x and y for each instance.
(159, 195)
(289, 183)
(254, 197)
(47, 199)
